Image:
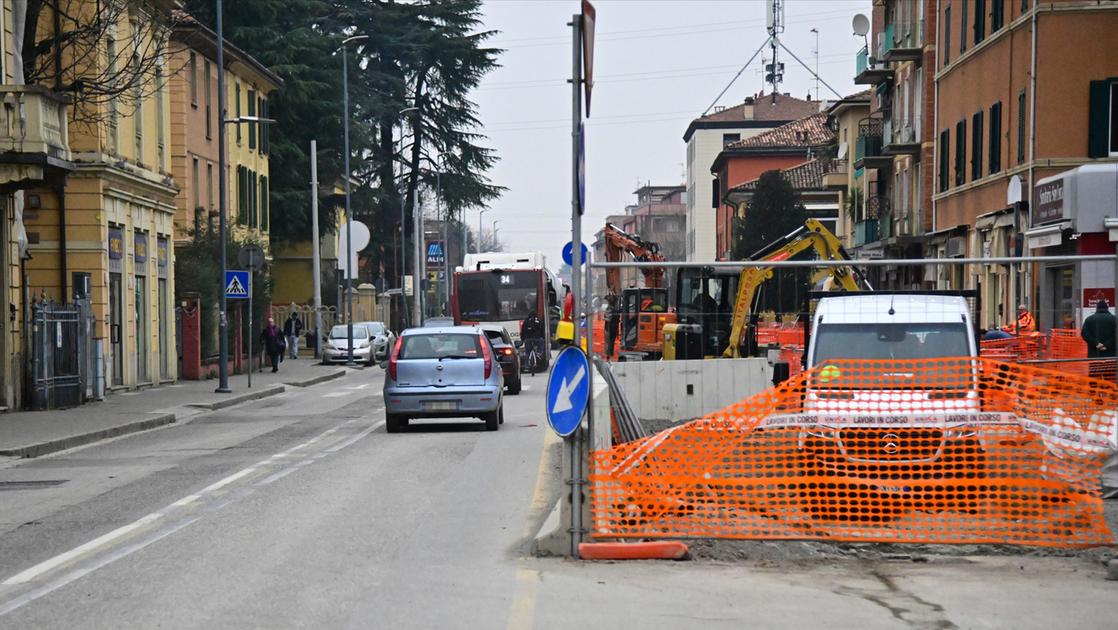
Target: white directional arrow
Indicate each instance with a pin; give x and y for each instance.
(563, 398)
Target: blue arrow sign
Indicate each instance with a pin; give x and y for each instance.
(568, 253)
(568, 391)
(236, 285)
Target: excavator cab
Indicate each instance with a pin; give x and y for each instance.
(704, 308)
(644, 313)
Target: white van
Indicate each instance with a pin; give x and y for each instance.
(894, 435)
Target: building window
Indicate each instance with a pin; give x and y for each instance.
(252, 126)
(242, 207)
(979, 21)
(114, 114)
(1102, 130)
(995, 137)
(963, 20)
(944, 152)
(210, 185)
(976, 146)
(264, 127)
(961, 153)
(192, 78)
(195, 181)
(160, 136)
(1021, 126)
(265, 211)
(254, 199)
(997, 15)
(947, 36)
(237, 110)
(207, 91)
(730, 138)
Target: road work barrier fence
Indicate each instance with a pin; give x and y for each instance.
(932, 451)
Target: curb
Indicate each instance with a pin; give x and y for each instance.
(321, 378)
(61, 444)
(236, 400)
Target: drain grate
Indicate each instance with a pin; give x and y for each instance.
(31, 485)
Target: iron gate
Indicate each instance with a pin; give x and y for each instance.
(61, 353)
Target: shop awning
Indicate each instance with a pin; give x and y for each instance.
(1047, 235)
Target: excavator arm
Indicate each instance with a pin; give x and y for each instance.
(813, 235)
(619, 243)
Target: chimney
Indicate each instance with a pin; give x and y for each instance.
(747, 108)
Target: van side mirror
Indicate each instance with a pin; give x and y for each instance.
(780, 372)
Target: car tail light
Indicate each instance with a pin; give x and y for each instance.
(487, 356)
(506, 351)
(395, 356)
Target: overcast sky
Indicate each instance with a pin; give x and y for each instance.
(658, 64)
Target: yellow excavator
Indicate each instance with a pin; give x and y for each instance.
(710, 326)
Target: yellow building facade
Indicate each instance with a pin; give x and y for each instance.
(114, 218)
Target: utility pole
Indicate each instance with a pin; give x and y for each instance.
(316, 263)
(416, 284)
(576, 188)
(223, 208)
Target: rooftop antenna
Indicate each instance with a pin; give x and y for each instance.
(774, 23)
(815, 52)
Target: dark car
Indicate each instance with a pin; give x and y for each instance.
(507, 356)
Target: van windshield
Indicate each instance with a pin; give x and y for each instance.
(890, 341)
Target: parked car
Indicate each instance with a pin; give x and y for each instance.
(438, 322)
(507, 355)
(443, 373)
(336, 349)
(383, 339)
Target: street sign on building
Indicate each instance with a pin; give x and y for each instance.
(568, 391)
(236, 285)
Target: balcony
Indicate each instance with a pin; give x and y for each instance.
(900, 139)
(868, 150)
(904, 42)
(33, 136)
(870, 70)
(865, 231)
(838, 176)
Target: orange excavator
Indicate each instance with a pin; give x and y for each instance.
(643, 310)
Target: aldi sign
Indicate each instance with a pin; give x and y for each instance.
(436, 253)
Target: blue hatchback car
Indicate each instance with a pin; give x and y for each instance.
(443, 373)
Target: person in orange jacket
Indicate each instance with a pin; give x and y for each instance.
(1025, 323)
(568, 304)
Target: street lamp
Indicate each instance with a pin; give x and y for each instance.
(348, 213)
(223, 330)
(495, 222)
(477, 241)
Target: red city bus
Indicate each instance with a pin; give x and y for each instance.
(505, 297)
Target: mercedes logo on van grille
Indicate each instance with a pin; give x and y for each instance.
(891, 444)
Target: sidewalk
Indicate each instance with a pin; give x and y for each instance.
(35, 433)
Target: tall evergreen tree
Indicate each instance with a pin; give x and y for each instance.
(773, 211)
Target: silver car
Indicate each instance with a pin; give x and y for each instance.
(383, 339)
(443, 373)
(336, 349)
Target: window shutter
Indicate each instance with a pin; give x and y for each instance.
(1098, 117)
(715, 193)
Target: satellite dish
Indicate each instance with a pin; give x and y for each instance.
(861, 25)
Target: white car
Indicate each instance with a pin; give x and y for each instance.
(383, 339)
(337, 345)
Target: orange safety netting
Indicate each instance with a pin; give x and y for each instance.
(937, 451)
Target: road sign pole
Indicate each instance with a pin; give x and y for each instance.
(251, 354)
(316, 265)
(576, 141)
(223, 209)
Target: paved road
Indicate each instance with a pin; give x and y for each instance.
(299, 511)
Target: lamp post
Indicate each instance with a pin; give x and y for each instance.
(223, 328)
(403, 220)
(495, 222)
(477, 241)
(348, 213)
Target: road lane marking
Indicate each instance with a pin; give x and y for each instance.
(61, 559)
(336, 394)
(89, 548)
(361, 386)
(522, 616)
(540, 505)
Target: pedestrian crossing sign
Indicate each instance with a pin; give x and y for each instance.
(236, 285)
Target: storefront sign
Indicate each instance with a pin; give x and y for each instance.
(116, 243)
(1051, 239)
(1091, 297)
(1048, 202)
(163, 254)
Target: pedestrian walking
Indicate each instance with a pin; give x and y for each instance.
(292, 328)
(1098, 332)
(271, 339)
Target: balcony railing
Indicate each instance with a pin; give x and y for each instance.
(837, 176)
(33, 123)
(900, 138)
(865, 231)
(868, 148)
(871, 70)
(904, 41)
(887, 41)
(886, 227)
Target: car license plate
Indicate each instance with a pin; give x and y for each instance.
(439, 405)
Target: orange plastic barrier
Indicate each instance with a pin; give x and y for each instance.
(937, 451)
